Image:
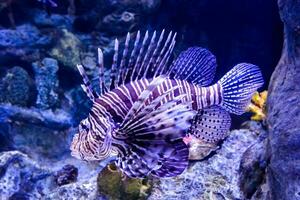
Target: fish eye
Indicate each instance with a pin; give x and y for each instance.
(83, 127)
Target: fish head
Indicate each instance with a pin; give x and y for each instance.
(93, 140)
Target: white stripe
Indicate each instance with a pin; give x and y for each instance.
(119, 102)
(211, 95)
(112, 105)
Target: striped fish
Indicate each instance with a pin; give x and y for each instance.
(149, 105)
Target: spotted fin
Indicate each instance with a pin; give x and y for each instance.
(176, 163)
(196, 65)
(211, 124)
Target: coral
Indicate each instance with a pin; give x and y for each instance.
(66, 175)
(67, 49)
(15, 87)
(112, 184)
(21, 177)
(46, 83)
(258, 106)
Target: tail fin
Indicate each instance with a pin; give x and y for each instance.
(238, 86)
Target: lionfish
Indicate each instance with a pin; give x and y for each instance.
(142, 115)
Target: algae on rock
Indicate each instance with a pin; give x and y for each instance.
(67, 49)
(114, 185)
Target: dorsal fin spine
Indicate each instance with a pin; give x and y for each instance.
(114, 65)
(147, 55)
(87, 84)
(131, 59)
(155, 52)
(101, 72)
(123, 60)
(161, 53)
(163, 64)
(138, 60)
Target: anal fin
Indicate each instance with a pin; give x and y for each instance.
(211, 124)
(176, 163)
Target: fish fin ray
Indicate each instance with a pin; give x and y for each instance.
(86, 86)
(196, 65)
(211, 124)
(176, 163)
(238, 86)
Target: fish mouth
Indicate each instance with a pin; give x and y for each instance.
(75, 147)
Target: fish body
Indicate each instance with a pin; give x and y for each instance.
(118, 101)
(149, 106)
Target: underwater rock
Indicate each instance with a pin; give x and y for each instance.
(124, 16)
(23, 36)
(119, 22)
(22, 178)
(46, 83)
(39, 142)
(67, 49)
(253, 166)
(216, 177)
(15, 87)
(43, 19)
(58, 120)
(80, 104)
(86, 189)
(66, 175)
(254, 126)
(140, 6)
(283, 117)
(113, 185)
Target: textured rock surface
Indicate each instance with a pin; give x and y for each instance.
(82, 190)
(66, 175)
(253, 166)
(22, 178)
(214, 178)
(67, 49)
(15, 87)
(46, 82)
(284, 110)
(24, 36)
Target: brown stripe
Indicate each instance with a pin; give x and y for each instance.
(193, 95)
(207, 95)
(219, 93)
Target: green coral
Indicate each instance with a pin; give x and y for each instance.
(114, 185)
(67, 49)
